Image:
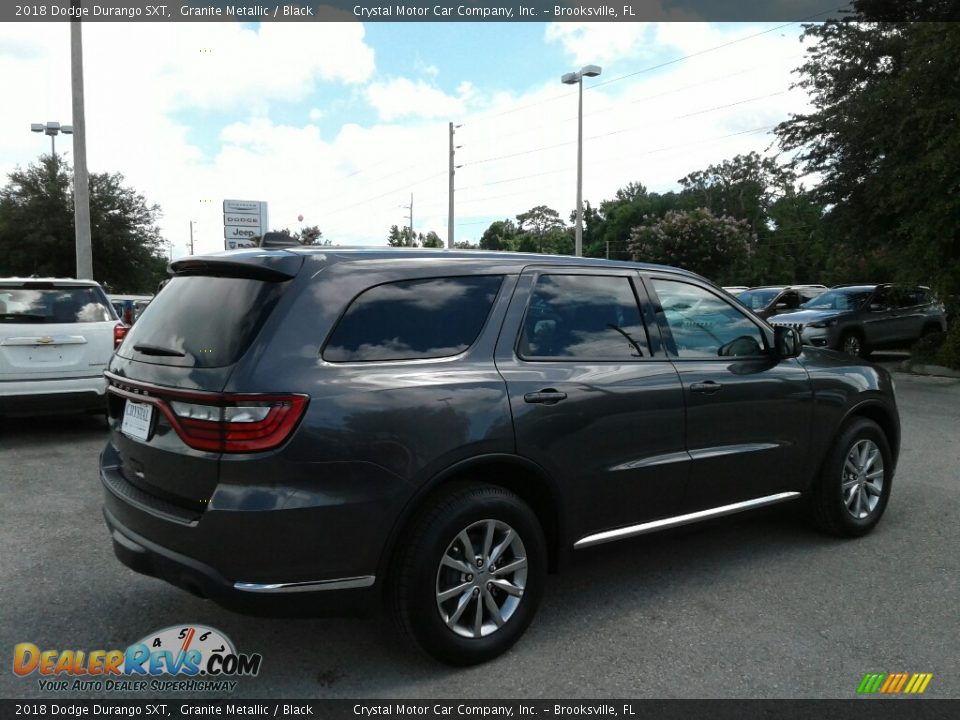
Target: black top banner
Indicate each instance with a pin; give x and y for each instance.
(424, 11)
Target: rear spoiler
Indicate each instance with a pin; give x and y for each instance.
(268, 266)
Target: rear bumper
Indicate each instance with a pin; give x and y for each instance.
(25, 397)
(257, 556)
(338, 596)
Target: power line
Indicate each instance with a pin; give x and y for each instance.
(627, 129)
(651, 68)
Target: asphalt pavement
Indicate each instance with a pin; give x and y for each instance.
(757, 605)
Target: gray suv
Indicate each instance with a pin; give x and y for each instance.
(859, 319)
(325, 430)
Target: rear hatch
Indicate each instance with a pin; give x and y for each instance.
(170, 420)
(51, 330)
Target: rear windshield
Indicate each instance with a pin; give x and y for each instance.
(54, 305)
(200, 321)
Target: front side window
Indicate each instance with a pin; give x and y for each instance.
(704, 325)
(413, 319)
(586, 317)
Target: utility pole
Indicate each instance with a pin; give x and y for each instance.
(191, 237)
(81, 184)
(453, 169)
(410, 226)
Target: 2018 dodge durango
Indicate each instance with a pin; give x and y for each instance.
(312, 430)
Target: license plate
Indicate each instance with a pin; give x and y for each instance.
(136, 420)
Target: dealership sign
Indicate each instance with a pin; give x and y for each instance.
(243, 220)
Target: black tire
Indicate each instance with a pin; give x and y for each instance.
(828, 498)
(418, 574)
(851, 339)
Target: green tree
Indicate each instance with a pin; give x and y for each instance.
(501, 235)
(535, 224)
(431, 240)
(884, 136)
(395, 238)
(696, 240)
(37, 229)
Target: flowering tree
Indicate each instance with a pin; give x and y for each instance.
(696, 240)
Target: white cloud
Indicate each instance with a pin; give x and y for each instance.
(519, 152)
(401, 97)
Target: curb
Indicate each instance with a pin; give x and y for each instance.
(933, 370)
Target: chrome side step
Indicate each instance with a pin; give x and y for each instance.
(678, 520)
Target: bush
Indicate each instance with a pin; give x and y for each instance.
(948, 354)
(926, 348)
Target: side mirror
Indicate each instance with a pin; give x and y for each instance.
(786, 340)
(877, 307)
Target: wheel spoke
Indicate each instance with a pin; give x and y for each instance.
(504, 544)
(510, 567)
(849, 484)
(468, 550)
(453, 592)
(478, 619)
(872, 489)
(458, 565)
(850, 465)
(875, 474)
(461, 606)
(488, 540)
(872, 455)
(508, 587)
(492, 608)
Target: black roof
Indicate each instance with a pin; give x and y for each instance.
(248, 256)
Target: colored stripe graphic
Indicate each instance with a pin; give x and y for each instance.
(871, 682)
(894, 683)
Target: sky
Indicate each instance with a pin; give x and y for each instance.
(342, 122)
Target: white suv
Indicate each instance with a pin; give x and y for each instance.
(56, 338)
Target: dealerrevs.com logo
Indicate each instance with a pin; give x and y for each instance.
(199, 657)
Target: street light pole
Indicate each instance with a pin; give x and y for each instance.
(571, 79)
(81, 183)
(52, 129)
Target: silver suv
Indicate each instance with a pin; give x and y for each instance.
(56, 338)
(859, 319)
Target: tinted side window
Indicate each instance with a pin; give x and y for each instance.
(704, 325)
(583, 317)
(413, 319)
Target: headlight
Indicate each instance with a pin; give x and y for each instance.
(823, 323)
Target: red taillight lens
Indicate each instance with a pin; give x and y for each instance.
(119, 333)
(238, 423)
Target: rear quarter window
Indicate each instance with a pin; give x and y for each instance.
(413, 319)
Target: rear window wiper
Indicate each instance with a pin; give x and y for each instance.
(155, 350)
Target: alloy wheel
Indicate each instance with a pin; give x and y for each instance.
(481, 578)
(862, 478)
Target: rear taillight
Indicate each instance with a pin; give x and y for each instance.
(220, 422)
(239, 423)
(119, 333)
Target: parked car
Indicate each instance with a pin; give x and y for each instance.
(56, 338)
(859, 319)
(778, 299)
(321, 430)
(130, 307)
